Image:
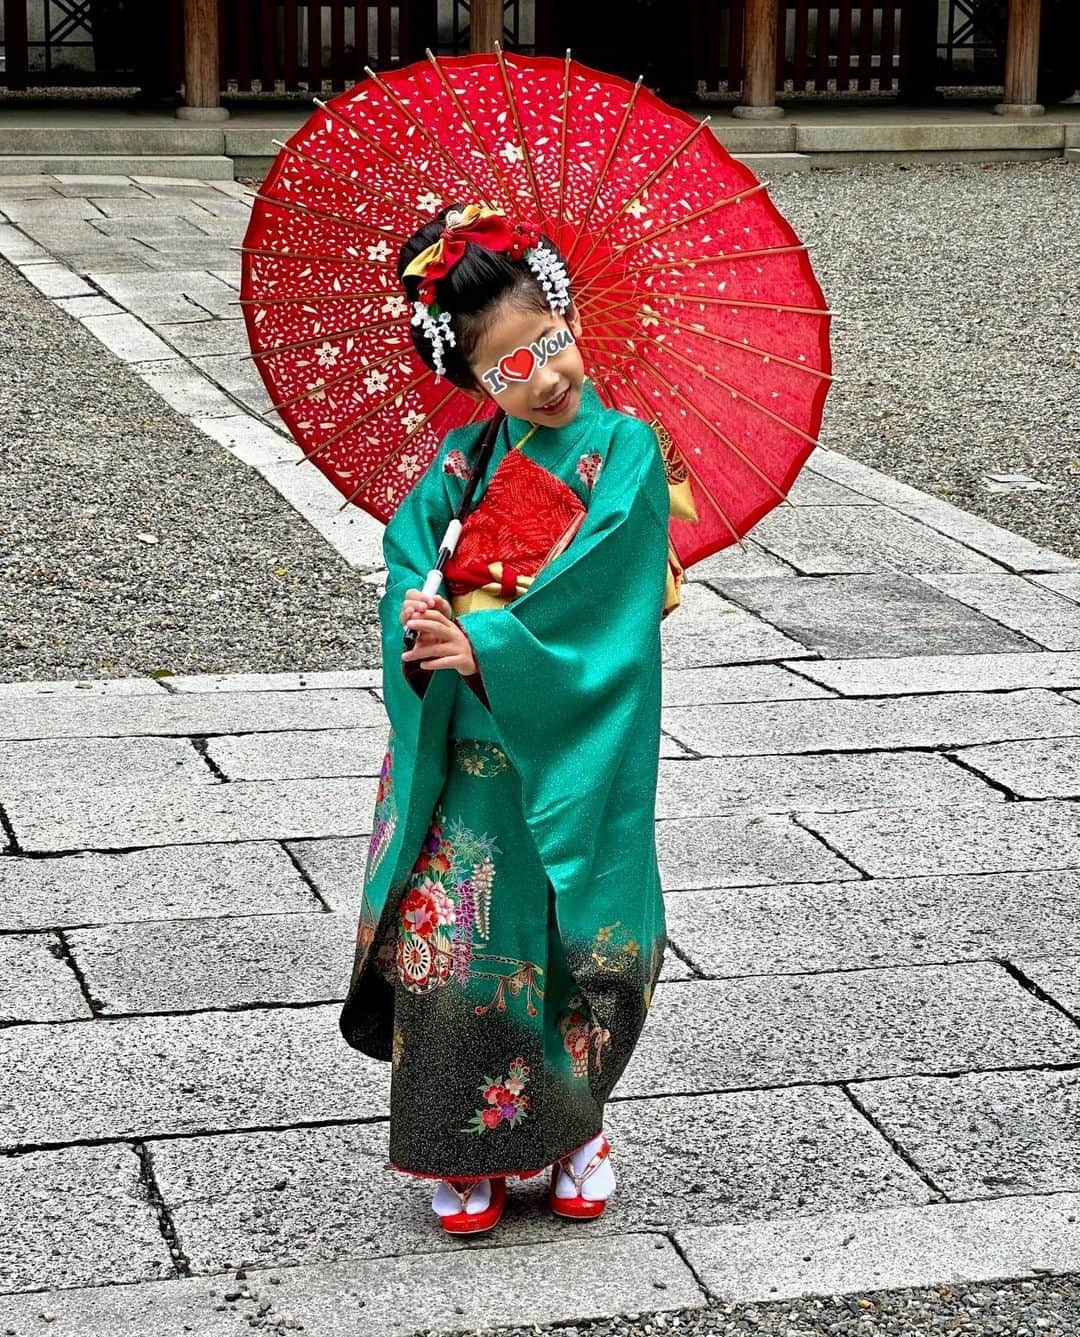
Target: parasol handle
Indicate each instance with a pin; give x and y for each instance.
(433, 579)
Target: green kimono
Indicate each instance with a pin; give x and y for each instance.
(512, 925)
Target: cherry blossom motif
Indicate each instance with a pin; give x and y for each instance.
(315, 388)
(327, 354)
(637, 208)
(428, 202)
(456, 464)
(588, 468)
(511, 152)
(410, 465)
(378, 251)
(395, 305)
(375, 382)
(410, 419)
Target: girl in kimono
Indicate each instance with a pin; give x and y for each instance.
(512, 925)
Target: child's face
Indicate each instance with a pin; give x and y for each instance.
(551, 396)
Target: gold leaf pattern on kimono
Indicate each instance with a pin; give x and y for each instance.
(480, 757)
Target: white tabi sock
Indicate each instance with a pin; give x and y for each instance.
(446, 1202)
(600, 1184)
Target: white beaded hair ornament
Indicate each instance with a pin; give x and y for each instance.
(484, 227)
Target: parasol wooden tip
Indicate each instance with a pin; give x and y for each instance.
(318, 102)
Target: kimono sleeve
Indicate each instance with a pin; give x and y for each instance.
(572, 666)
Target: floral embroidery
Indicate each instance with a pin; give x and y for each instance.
(581, 1035)
(456, 464)
(385, 819)
(588, 468)
(505, 1101)
(525, 975)
(479, 757)
(610, 951)
(397, 1052)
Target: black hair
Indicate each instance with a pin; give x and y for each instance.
(472, 292)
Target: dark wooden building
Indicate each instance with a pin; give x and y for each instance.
(748, 50)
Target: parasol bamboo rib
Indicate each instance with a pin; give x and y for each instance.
(562, 137)
(398, 448)
(730, 301)
(327, 336)
(738, 394)
(385, 234)
(411, 117)
(370, 413)
(650, 414)
(394, 356)
(508, 90)
(746, 348)
(263, 253)
(620, 252)
(304, 299)
(612, 150)
(365, 138)
(461, 110)
(726, 440)
(417, 427)
(345, 179)
(710, 259)
(643, 186)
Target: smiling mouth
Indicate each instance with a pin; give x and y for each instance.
(555, 405)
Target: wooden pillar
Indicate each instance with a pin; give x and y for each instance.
(485, 24)
(759, 76)
(1022, 60)
(202, 63)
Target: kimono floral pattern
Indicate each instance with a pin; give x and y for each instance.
(385, 819)
(444, 909)
(582, 1036)
(505, 1101)
(588, 468)
(479, 757)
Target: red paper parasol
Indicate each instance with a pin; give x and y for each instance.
(700, 308)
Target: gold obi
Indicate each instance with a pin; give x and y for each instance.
(489, 595)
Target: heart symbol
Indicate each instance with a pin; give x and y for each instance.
(518, 365)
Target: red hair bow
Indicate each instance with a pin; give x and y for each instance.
(478, 224)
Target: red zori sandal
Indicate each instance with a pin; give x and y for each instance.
(577, 1207)
(474, 1223)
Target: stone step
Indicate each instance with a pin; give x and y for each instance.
(200, 167)
(775, 164)
(129, 137)
(1072, 155)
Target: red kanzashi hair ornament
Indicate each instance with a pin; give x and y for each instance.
(475, 223)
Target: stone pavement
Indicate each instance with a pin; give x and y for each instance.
(861, 1067)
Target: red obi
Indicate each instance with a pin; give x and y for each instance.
(526, 517)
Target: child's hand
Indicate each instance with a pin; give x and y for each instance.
(416, 601)
(442, 643)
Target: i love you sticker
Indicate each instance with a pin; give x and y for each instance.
(522, 362)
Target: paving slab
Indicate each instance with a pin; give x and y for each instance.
(984, 1134)
(828, 540)
(743, 851)
(1012, 551)
(835, 725)
(331, 868)
(1065, 583)
(847, 1253)
(296, 1196)
(1038, 768)
(856, 616)
(300, 681)
(61, 763)
(814, 489)
(123, 816)
(904, 675)
(727, 786)
(202, 338)
(746, 559)
(178, 882)
(883, 922)
(187, 713)
(76, 1217)
(714, 1035)
(196, 1073)
(240, 376)
(254, 442)
(1057, 975)
(36, 983)
(185, 389)
(18, 248)
(187, 296)
(1038, 613)
(709, 630)
(87, 306)
(738, 682)
(56, 281)
(290, 958)
(128, 338)
(355, 534)
(82, 688)
(911, 842)
(298, 754)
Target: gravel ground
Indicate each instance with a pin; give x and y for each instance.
(1049, 1307)
(956, 334)
(90, 459)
